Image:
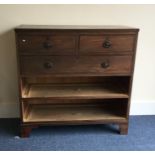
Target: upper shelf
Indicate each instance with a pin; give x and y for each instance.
(74, 91)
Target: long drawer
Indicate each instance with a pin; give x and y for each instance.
(97, 65)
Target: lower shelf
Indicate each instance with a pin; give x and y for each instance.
(73, 114)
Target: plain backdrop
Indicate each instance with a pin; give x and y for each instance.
(140, 16)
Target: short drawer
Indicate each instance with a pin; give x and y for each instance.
(44, 44)
(98, 44)
(96, 65)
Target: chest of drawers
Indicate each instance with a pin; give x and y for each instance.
(75, 75)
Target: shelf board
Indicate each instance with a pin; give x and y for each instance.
(63, 114)
(74, 91)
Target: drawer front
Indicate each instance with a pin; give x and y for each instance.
(93, 44)
(108, 65)
(54, 45)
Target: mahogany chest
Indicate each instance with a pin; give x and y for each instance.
(75, 75)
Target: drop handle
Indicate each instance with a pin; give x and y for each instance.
(107, 44)
(48, 65)
(47, 45)
(105, 64)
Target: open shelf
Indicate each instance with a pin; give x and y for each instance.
(58, 114)
(75, 100)
(82, 91)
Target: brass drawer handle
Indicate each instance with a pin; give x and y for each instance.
(48, 65)
(47, 45)
(105, 64)
(107, 44)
